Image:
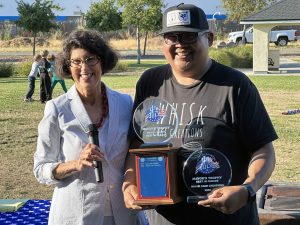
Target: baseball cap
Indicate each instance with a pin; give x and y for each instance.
(184, 18)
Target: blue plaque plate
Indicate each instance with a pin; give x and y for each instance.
(152, 176)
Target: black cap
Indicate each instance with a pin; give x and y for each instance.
(184, 18)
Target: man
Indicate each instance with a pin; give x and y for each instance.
(235, 123)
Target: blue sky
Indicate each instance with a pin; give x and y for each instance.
(10, 7)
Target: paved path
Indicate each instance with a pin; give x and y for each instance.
(286, 67)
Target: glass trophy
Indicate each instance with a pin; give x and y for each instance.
(155, 121)
(205, 168)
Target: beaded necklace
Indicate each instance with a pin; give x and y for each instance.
(104, 106)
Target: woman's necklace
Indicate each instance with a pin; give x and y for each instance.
(104, 106)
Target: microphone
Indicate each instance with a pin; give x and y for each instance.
(93, 138)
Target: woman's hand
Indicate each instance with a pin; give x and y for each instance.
(88, 154)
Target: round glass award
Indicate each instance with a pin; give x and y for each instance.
(193, 135)
(205, 170)
(155, 121)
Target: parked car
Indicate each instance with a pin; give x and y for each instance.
(279, 37)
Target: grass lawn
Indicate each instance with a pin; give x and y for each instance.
(19, 121)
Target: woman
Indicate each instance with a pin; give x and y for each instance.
(64, 156)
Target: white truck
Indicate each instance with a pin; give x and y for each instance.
(279, 37)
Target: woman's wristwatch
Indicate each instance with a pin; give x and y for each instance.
(251, 193)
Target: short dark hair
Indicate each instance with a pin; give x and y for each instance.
(51, 57)
(91, 41)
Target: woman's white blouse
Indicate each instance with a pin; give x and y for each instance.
(62, 134)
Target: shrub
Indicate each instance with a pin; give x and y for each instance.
(243, 56)
(121, 67)
(23, 69)
(57, 34)
(6, 69)
(237, 57)
(221, 56)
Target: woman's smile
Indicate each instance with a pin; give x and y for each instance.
(86, 76)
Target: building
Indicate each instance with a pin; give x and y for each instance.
(66, 23)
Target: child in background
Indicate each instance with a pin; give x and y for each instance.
(45, 79)
(32, 77)
(56, 78)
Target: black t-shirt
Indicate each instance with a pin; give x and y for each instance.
(235, 122)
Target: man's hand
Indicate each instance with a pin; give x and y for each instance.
(129, 188)
(130, 194)
(227, 199)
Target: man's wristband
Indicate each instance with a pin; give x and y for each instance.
(251, 193)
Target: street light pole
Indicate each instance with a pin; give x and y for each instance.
(216, 13)
(214, 19)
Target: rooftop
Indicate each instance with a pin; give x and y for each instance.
(285, 10)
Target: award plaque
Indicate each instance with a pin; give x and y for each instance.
(155, 121)
(205, 168)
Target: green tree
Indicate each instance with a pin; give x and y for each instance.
(243, 8)
(144, 15)
(103, 16)
(37, 17)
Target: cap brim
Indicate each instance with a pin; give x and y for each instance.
(181, 29)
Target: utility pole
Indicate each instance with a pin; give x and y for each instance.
(215, 22)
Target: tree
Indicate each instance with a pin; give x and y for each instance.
(103, 16)
(37, 17)
(144, 15)
(243, 8)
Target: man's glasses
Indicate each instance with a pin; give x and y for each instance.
(90, 61)
(183, 38)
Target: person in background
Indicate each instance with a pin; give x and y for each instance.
(45, 79)
(56, 78)
(64, 157)
(231, 114)
(32, 77)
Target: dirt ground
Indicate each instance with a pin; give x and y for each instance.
(23, 42)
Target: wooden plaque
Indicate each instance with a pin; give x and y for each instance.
(156, 175)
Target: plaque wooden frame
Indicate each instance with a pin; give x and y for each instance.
(172, 196)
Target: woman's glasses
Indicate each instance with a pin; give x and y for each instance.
(183, 38)
(90, 61)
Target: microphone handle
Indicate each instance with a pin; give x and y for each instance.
(98, 171)
(93, 138)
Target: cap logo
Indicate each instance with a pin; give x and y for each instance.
(178, 17)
